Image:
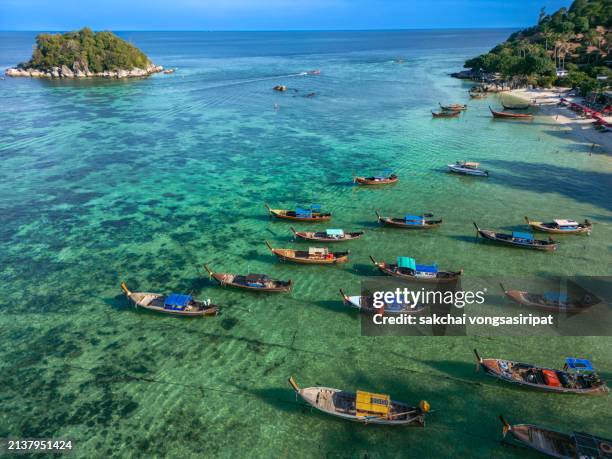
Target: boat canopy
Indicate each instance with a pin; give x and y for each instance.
(579, 364)
(414, 220)
(256, 278)
(562, 223)
(335, 232)
(426, 268)
(471, 165)
(556, 297)
(406, 262)
(522, 235)
(370, 404)
(177, 301)
(300, 212)
(318, 251)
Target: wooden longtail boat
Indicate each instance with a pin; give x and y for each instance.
(376, 180)
(453, 107)
(516, 107)
(562, 226)
(517, 239)
(313, 214)
(552, 301)
(312, 256)
(253, 282)
(468, 168)
(446, 114)
(406, 268)
(512, 116)
(174, 304)
(364, 407)
(366, 305)
(330, 235)
(576, 445)
(416, 222)
(478, 95)
(577, 377)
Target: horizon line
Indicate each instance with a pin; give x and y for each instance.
(273, 30)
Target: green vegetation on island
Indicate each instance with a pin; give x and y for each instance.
(84, 53)
(568, 48)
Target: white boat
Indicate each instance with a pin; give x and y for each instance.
(468, 168)
(364, 407)
(366, 305)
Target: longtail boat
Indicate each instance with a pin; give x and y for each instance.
(312, 256)
(253, 282)
(329, 235)
(559, 226)
(512, 116)
(406, 268)
(577, 377)
(553, 301)
(577, 445)
(364, 407)
(478, 95)
(173, 304)
(517, 239)
(313, 214)
(417, 222)
(453, 107)
(366, 304)
(381, 179)
(468, 168)
(515, 107)
(446, 114)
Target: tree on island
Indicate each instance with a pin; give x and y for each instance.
(84, 53)
(576, 40)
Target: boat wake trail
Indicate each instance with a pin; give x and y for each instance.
(253, 80)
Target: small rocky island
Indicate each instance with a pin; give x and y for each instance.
(83, 54)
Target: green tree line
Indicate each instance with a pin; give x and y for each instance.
(98, 51)
(577, 39)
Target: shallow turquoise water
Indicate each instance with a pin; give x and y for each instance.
(145, 181)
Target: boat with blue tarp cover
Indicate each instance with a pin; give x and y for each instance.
(577, 445)
(252, 282)
(301, 214)
(517, 239)
(417, 222)
(561, 226)
(577, 377)
(406, 268)
(384, 178)
(577, 301)
(312, 256)
(366, 304)
(329, 235)
(175, 303)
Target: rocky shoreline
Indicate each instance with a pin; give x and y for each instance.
(79, 71)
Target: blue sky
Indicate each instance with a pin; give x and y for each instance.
(269, 14)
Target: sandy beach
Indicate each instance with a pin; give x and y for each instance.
(579, 129)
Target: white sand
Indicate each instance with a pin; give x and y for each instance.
(578, 129)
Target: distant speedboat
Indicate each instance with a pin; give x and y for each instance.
(314, 72)
(468, 168)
